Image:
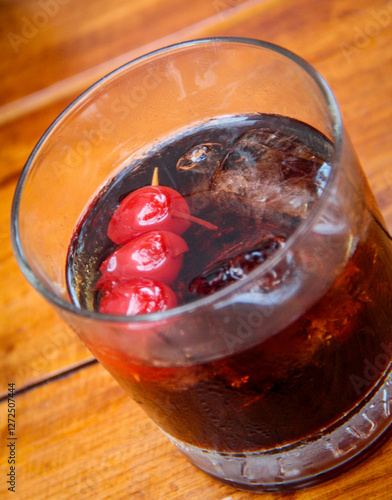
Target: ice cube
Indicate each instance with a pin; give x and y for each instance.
(198, 163)
(270, 170)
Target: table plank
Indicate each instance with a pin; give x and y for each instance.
(18, 138)
(34, 340)
(81, 437)
(45, 44)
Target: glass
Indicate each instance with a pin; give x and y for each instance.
(199, 370)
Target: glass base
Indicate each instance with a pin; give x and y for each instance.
(306, 462)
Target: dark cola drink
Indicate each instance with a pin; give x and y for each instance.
(255, 179)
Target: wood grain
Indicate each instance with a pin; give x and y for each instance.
(80, 436)
(51, 46)
(34, 340)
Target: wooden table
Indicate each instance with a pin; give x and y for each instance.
(78, 434)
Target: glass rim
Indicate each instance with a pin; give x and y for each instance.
(216, 299)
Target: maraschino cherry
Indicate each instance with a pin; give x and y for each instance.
(156, 255)
(146, 209)
(138, 296)
(151, 208)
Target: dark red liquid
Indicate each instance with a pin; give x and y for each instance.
(304, 378)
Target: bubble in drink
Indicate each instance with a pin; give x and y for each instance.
(201, 159)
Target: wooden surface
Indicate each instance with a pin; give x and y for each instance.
(78, 435)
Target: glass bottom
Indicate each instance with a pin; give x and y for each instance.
(306, 462)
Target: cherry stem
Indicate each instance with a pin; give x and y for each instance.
(181, 215)
(191, 218)
(154, 181)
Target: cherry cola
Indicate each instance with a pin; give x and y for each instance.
(256, 179)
